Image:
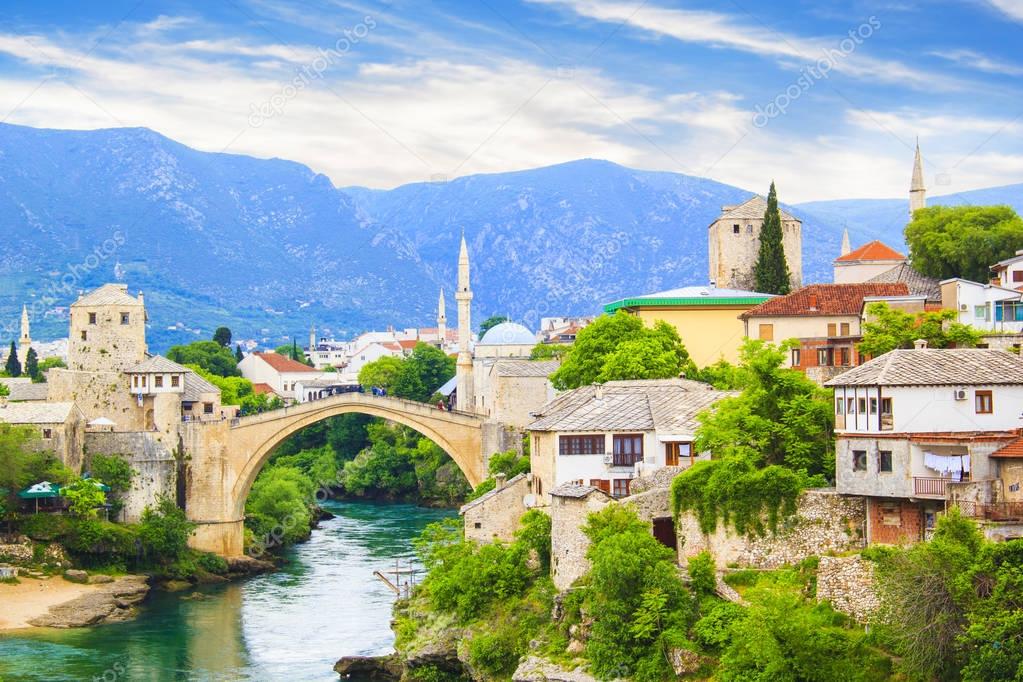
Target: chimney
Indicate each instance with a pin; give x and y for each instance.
(598, 391)
(813, 301)
(920, 344)
(499, 481)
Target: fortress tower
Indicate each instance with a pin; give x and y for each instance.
(107, 331)
(733, 242)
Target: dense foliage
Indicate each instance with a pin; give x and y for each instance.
(491, 322)
(549, 351)
(23, 463)
(12, 366)
(771, 271)
(888, 328)
(84, 497)
(953, 606)
(963, 241)
(236, 390)
(767, 444)
(416, 377)
(279, 509)
(209, 355)
(621, 346)
(510, 463)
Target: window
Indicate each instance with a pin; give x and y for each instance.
(843, 357)
(47, 433)
(859, 460)
(749, 229)
(796, 357)
(675, 451)
(839, 405)
(1017, 276)
(125, 318)
(873, 406)
(851, 403)
(832, 329)
(767, 332)
(984, 402)
(581, 445)
(886, 406)
(158, 381)
(628, 449)
(862, 405)
(477, 525)
(175, 381)
(601, 484)
(85, 335)
(207, 408)
(890, 513)
(844, 329)
(980, 311)
(143, 380)
(884, 461)
(1009, 311)
(620, 487)
(825, 357)
(92, 318)
(134, 379)
(736, 229)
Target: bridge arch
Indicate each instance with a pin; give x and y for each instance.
(227, 457)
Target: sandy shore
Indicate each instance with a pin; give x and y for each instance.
(33, 598)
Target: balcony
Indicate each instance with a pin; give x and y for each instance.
(931, 487)
(994, 511)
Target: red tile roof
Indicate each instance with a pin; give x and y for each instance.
(826, 299)
(1013, 449)
(262, 389)
(872, 251)
(408, 343)
(283, 364)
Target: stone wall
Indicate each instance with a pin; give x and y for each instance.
(97, 394)
(848, 584)
(825, 522)
(153, 461)
(495, 515)
(568, 542)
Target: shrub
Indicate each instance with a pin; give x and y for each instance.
(495, 652)
(713, 630)
(113, 470)
(535, 533)
(703, 573)
(45, 527)
(212, 563)
(164, 531)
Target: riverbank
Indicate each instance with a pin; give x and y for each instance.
(58, 603)
(33, 598)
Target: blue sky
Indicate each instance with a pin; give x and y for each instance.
(824, 97)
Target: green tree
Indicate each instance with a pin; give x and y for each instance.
(164, 531)
(963, 241)
(222, 336)
(4, 391)
(620, 346)
(48, 364)
(13, 366)
(771, 272)
(22, 463)
(32, 365)
(490, 323)
(889, 328)
(382, 372)
(549, 351)
(238, 354)
(424, 371)
(114, 470)
(84, 497)
(209, 355)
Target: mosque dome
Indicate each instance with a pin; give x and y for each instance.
(508, 334)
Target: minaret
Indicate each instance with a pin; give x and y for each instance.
(463, 368)
(25, 342)
(442, 320)
(917, 191)
(312, 340)
(846, 246)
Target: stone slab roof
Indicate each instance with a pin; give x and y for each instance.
(919, 285)
(753, 208)
(576, 491)
(108, 294)
(825, 299)
(36, 413)
(525, 368)
(936, 367)
(195, 387)
(669, 406)
(157, 364)
(490, 494)
(28, 391)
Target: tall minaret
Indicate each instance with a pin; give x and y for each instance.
(846, 246)
(312, 340)
(442, 320)
(25, 342)
(917, 191)
(463, 368)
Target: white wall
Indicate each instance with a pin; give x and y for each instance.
(934, 409)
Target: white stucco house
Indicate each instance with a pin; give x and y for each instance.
(606, 435)
(282, 374)
(985, 306)
(916, 430)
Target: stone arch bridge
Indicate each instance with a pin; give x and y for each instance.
(223, 458)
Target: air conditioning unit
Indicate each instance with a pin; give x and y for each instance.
(963, 307)
(959, 394)
(609, 458)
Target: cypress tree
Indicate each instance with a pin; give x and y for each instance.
(771, 273)
(238, 355)
(32, 364)
(13, 366)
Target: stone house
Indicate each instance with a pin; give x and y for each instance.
(511, 390)
(495, 515)
(734, 242)
(916, 431)
(570, 505)
(282, 374)
(61, 427)
(606, 435)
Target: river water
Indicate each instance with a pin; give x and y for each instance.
(289, 625)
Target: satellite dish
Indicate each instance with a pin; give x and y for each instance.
(529, 501)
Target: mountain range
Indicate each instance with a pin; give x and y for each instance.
(269, 247)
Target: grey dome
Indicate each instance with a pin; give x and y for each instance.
(508, 334)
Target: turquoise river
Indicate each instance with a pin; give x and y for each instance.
(289, 625)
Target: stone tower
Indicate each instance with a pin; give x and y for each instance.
(733, 242)
(917, 191)
(107, 331)
(463, 367)
(25, 342)
(442, 320)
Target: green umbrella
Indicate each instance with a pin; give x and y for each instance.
(99, 484)
(40, 490)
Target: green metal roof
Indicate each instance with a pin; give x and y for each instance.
(688, 301)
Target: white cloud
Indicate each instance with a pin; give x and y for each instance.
(1011, 8)
(722, 30)
(980, 62)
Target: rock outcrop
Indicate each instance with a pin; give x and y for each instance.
(535, 669)
(110, 603)
(370, 668)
